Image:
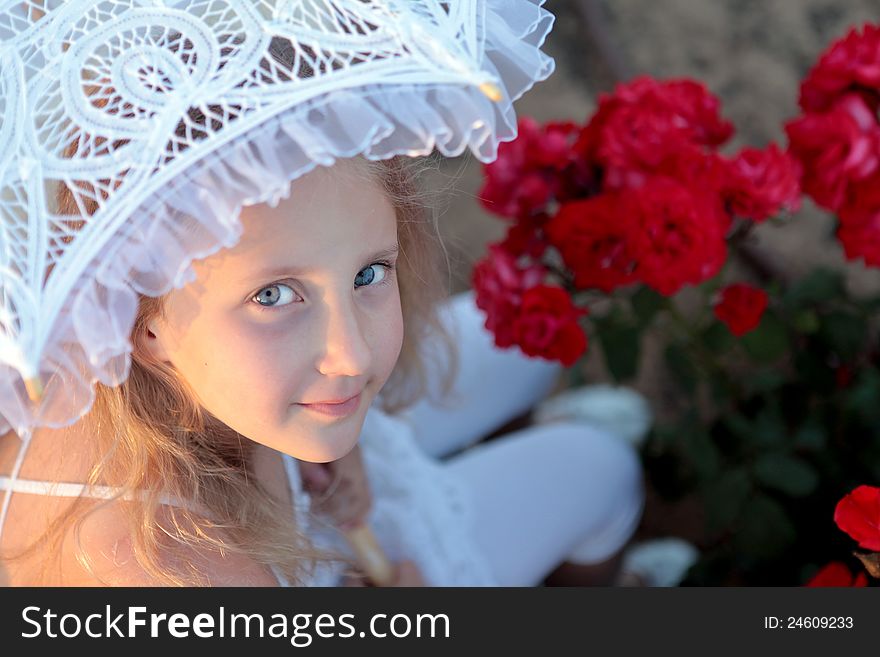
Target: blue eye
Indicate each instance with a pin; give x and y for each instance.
(272, 294)
(372, 277)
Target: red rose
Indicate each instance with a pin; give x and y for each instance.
(678, 237)
(858, 514)
(529, 170)
(694, 167)
(708, 172)
(836, 573)
(741, 307)
(547, 325)
(552, 147)
(593, 237)
(524, 238)
(762, 182)
(499, 284)
(849, 64)
(645, 121)
(836, 148)
(858, 228)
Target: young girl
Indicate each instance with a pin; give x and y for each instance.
(313, 304)
(316, 336)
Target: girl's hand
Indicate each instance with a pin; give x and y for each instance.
(339, 489)
(406, 573)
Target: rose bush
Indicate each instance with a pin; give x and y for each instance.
(774, 381)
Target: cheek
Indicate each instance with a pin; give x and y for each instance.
(232, 366)
(389, 341)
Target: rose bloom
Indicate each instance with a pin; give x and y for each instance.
(528, 170)
(763, 182)
(644, 121)
(741, 307)
(836, 148)
(858, 227)
(852, 62)
(547, 325)
(499, 283)
(858, 514)
(838, 574)
(678, 236)
(525, 236)
(705, 171)
(594, 238)
(694, 167)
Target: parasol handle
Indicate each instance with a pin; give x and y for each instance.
(369, 554)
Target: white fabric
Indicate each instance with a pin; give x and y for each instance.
(286, 86)
(64, 489)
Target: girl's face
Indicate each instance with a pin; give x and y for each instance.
(301, 310)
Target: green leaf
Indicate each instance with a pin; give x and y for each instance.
(814, 371)
(812, 436)
(768, 342)
(739, 426)
(844, 333)
(646, 303)
(764, 381)
(819, 286)
(702, 453)
(806, 321)
(766, 530)
(621, 346)
(769, 427)
(682, 368)
(724, 499)
(719, 385)
(717, 337)
(863, 397)
(664, 437)
(787, 473)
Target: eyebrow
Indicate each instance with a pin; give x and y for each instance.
(273, 272)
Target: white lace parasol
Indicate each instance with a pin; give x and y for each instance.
(163, 119)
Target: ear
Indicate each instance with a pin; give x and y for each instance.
(153, 343)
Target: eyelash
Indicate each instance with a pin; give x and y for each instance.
(389, 269)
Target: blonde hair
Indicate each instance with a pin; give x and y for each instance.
(153, 436)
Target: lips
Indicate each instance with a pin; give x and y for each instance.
(334, 401)
(344, 408)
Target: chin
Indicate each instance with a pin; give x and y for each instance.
(324, 451)
(321, 444)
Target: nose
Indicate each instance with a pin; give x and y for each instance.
(346, 349)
